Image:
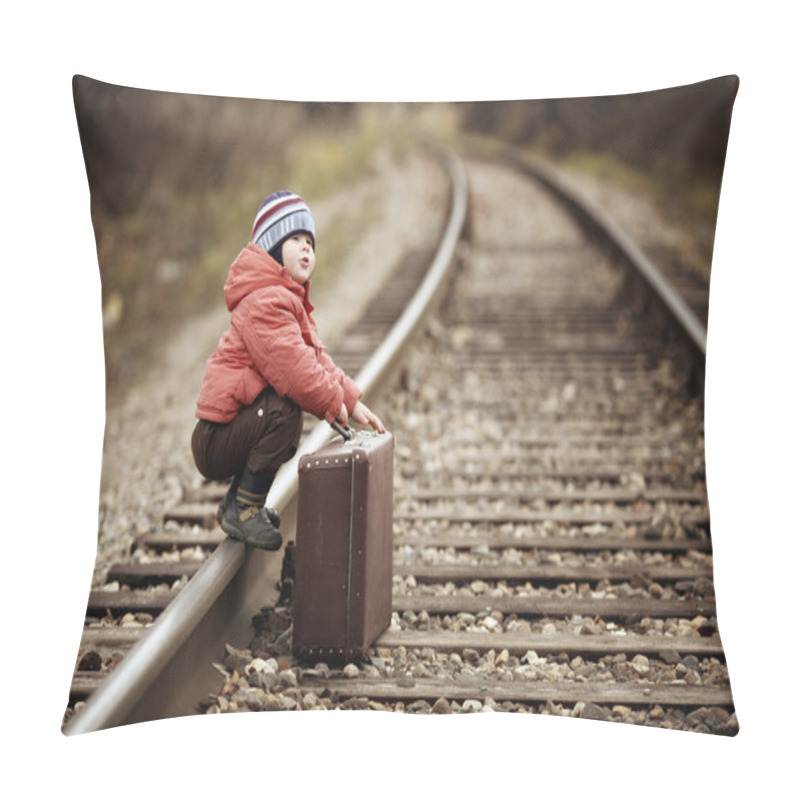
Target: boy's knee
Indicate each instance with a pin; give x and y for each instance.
(210, 462)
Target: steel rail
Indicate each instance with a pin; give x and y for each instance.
(590, 211)
(181, 639)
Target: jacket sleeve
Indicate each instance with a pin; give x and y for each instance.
(273, 337)
(352, 393)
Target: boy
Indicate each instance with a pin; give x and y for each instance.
(268, 367)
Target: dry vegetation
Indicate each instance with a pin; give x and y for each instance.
(176, 179)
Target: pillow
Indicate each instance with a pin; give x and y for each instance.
(542, 563)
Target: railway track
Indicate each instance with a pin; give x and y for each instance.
(552, 545)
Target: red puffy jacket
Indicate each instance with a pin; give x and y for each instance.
(272, 340)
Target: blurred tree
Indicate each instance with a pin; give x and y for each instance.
(677, 134)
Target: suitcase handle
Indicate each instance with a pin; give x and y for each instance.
(346, 432)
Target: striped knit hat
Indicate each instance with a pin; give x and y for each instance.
(281, 215)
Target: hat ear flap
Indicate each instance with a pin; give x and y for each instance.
(277, 252)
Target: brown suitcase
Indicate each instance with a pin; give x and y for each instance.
(343, 548)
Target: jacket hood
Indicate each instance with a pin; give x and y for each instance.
(255, 269)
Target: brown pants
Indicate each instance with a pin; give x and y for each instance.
(263, 436)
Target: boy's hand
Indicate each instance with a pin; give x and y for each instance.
(364, 416)
(343, 418)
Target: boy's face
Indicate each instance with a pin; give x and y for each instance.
(298, 257)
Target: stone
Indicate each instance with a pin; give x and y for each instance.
(669, 656)
(590, 629)
(708, 628)
(262, 680)
(641, 664)
(729, 728)
(287, 678)
(350, 671)
(712, 718)
(703, 587)
(282, 646)
(272, 702)
(249, 698)
(441, 706)
(593, 711)
(91, 661)
(378, 662)
(552, 709)
(531, 657)
(237, 660)
(269, 666)
(656, 590)
(420, 671)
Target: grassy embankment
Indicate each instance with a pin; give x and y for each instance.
(168, 259)
(691, 207)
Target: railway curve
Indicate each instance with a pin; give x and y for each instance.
(552, 535)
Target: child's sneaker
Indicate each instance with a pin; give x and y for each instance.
(251, 525)
(230, 495)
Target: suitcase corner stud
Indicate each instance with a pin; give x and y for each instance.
(343, 549)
